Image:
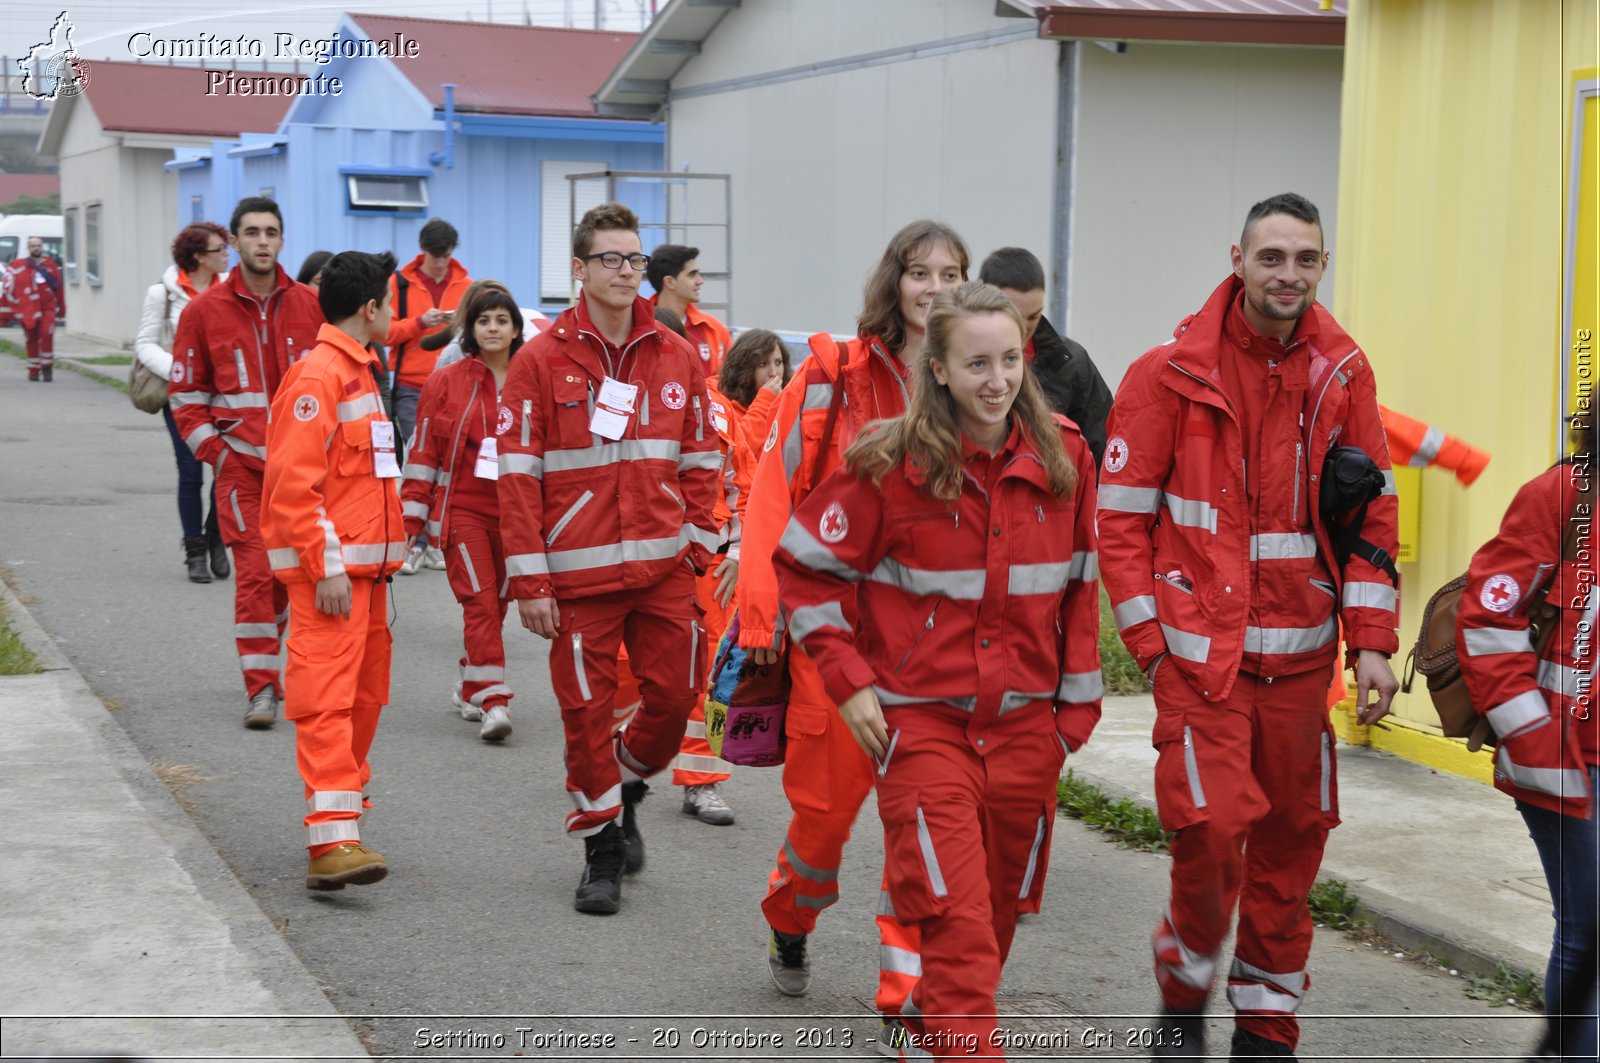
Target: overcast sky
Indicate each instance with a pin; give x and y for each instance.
(102, 27)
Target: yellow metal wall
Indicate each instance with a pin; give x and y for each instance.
(1451, 243)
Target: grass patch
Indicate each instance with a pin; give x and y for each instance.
(1122, 675)
(12, 349)
(1130, 824)
(15, 658)
(95, 375)
(1334, 906)
(108, 359)
(1508, 986)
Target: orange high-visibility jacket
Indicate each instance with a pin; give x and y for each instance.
(1414, 443)
(708, 336)
(738, 468)
(416, 363)
(325, 511)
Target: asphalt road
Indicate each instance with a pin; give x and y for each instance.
(473, 935)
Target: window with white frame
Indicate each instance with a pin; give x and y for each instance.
(558, 217)
(69, 219)
(91, 244)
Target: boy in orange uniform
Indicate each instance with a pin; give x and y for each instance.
(334, 535)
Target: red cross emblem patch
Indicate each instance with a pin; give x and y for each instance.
(502, 421)
(673, 395)
(1500, 594)
(1116, 454)
(834, 525)
(306, 407)
(177, 371)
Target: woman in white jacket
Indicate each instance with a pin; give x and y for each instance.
(200, 258)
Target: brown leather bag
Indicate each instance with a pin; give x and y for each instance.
(1436, 655)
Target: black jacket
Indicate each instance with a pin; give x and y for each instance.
(1072, 384)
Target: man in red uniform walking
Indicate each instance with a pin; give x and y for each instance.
(608, 477)
(1228, 590)
(234, 343)
(38, 299)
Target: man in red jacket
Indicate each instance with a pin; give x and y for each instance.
(39, 299)
(608, 476)
(1228, 589)
(235, 341)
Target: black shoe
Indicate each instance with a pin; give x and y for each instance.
(600, 889)
(1179, 1035)
(1249, 1046)
(219, 556)
(632, 842)
(194, 556)
(48, 373)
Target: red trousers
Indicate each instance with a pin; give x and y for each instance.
(826, 777)
(260, 605)
(336, 682)
(660, 625)
(40, 336)
(476, 565)
(1248, 785)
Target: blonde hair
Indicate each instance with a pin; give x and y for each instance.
(880, 300)
(929, 433)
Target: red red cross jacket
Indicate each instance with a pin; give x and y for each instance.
(34, 286)
(458, 410)
(1182, 562)
(984, 608)
(580, 514)
(1541, 708)
(230, 352)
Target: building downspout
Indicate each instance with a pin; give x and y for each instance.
(448, 155)
(1066, 164)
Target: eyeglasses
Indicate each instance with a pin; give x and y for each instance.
(614, 260)
(216, 250)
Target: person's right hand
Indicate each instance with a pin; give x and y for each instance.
(864, 716)
(539, 616)
(435, 317)
(773, 383)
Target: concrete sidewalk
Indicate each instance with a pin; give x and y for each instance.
(1441, 863)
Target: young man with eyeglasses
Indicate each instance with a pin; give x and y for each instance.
(607, 479)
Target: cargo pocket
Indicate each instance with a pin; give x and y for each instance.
(355, 449)
(571, 396)
(913, 863)
(1031, 892)
(1180, 787)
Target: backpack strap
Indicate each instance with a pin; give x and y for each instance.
(403, 288)
(834, 405)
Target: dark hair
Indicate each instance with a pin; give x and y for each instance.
(312, 266)
(1290, 203)
(668, 260)
(254, 205)
(672, 321)
(438, 237)
(1016, 268)
(351, 280)
(192, 240)
(605, 216)
(490, 296)
(880, 301)
(737, 377)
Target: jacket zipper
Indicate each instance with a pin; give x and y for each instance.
(583, 500)
(527, 416)
(673, 494)
(926, 627)
(1299, 460)
(577, 664)
(455, 450)
(699, 422)
(422, 435)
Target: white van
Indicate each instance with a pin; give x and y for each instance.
(15, 229)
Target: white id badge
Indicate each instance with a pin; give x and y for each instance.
(384, 465)
(617, 395)
(488, 467)
(612, 408)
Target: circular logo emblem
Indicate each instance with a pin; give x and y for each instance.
(1500, 594)
(772, 438)
(177, 371)
(306, 407)
(834, 524)
(502, 421)
(673, 395)
(1116, 454)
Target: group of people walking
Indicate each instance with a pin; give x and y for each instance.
(916, 525)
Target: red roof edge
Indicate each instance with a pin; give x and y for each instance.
(1231, 28)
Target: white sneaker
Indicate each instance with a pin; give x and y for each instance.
(469, 712)
(706, 804)
(496, 724)
(433, 558)
(413, 561)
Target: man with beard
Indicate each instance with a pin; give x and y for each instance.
(234, 343)
(1228, 589)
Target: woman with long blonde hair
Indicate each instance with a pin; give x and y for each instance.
(945, 584)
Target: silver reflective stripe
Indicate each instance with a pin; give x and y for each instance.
(697, 762)
(189, 398)
(1033, 858)
(238, 515)
(483, 673)
(418, 510)
(904, 961)
(890, 697)
(818, 397)
(244, 400)
(199, 435)
(614, 554)
(1368, 596)
(417, 471)
(806, 900)
(527, 565)
(435, 530)
(472, 577)
(267, 662)
(811, 618)
(1388, 482)
(372, 553)
(694, 652)
(1282, 546)
(1563, 680)
(804, 548)
(595, 457)
(1428, 449)
(283, 557)
(572, 511)
(336, 801)
(1192, 968)
(577, 664)
(257, 631)
(1077, 687)
(1268, 640)
(1117, 498)
(1191, 768)
(964, 584)
(1252, 989)
(521, 465)
(1017, 699)
(1048, 577)
(1085, 565)
(1134, 611)
(1327, 774)
(1186, 644)
(693, 533)
(612, 798)
(242, 447)
(931, 860)
(340, 830)
(1192, 513)
(1525, 709)
(700, 459)
(357, 408)
(805, 870)
(238, 361)
(332, 557)
(498, 690)
(1558, 782)
(1487, 641)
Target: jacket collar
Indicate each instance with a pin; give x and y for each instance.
(346, 344)
(1018, 457)
(574, 322)
(454, 275)
(280, 283)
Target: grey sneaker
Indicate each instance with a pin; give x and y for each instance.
(469, 712)
(496, 724)
(413, 561)
(263, 710)
(788, 963)
(706, 804)
(433, 558)
(892, 1037)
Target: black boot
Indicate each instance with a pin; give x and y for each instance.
(1180, 1035)
(214, 546)
(1249, 1046)
(600, 889)
(194, 555)
(632, 841)
(49, 373)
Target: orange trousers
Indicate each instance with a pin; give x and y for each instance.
(336, 681)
